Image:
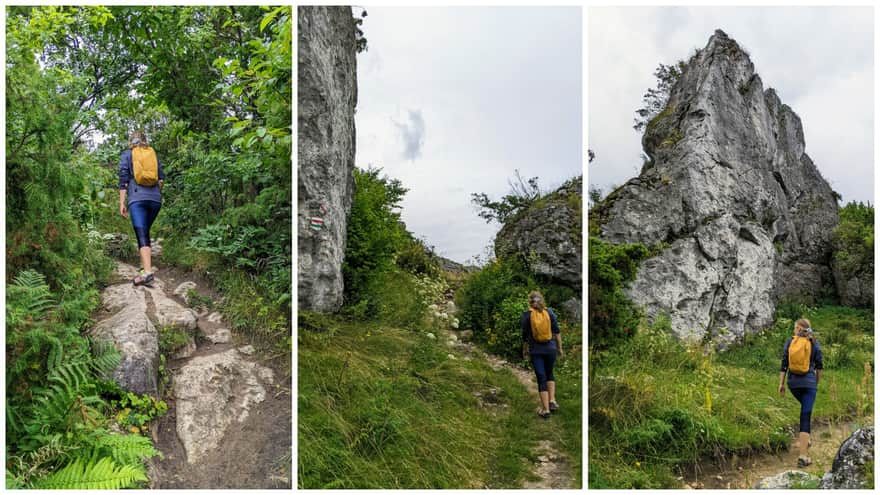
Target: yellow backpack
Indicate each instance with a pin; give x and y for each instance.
(144, 165)
(541, 325)
(799, 355)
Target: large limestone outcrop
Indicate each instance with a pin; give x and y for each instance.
(852, 462)
(741, 212)
(548, 235)
(326, 145)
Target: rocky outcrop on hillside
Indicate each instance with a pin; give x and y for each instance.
(327, 87)
(740, 214)
(853, 462)
(547, 235)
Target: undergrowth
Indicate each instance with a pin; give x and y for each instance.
(657, 405)
(385, 407)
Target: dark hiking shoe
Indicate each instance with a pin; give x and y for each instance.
(554, 406)
(143, 279)
(544, 414)
(804, 462)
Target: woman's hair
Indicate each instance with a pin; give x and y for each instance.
(536, 300)
(137, 138)
(802, 324)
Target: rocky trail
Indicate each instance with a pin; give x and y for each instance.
(552, 468)
(228, 423)
(745, 472)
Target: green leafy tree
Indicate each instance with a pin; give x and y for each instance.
(655, 99)
(523, 192)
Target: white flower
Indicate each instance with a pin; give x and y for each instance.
(430, 336)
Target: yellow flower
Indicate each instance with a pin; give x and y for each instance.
(135, 429)
(638, 464)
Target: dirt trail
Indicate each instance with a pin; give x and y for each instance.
(253, 449)
(552, 469)
(743, 472)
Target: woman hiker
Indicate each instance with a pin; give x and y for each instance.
(802, 361)
(541, 343)
(140, 182)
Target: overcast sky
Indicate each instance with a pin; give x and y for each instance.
(452, 100)
(819, 60)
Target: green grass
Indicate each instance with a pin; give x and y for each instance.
(656, 405)
(383, 407)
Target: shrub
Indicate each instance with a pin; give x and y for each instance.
(612, 315)
(505, 336)
(481, 295)
(375, 232)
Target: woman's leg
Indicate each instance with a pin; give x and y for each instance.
(143, 214)
(807, 397)
(541, 373)
(549, 361)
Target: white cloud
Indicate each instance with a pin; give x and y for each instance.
(498, 89)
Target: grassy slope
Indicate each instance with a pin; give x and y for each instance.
(382, 407)
(650, 412)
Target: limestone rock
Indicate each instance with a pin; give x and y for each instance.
(119, 296)
(547, 235)
(182, 290)
(215, 318)
(247, 350)
(327, 88)
(855, 456)
(787, 480)
(169, 312)
(211, 393)
(573, 309)
(133, 334)
(219, 336)
(740, 213)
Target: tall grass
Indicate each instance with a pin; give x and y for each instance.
(656, 405)
(384, 407)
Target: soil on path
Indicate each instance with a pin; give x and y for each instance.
(743, 472)
(552, 469)
(254, 453)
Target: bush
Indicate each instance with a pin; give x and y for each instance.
(505, 336)
(612, 315)
(480, 297)
(854, 239)
(375, 232)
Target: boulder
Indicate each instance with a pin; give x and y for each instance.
(852, 462)
(788, 480)
(219, 336)
(133, 334)
(855, 288)
(170, 313)
(211, 393)
(573, 309)
(547, 235)
(327, 95)
(738, 212)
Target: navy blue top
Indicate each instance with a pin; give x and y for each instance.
(808, 380)
(137, 192)
(539, 347)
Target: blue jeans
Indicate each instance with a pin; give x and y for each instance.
(143, 213)
(543, 364)
(806, 396)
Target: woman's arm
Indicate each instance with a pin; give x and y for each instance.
(781, 383)
(526, 324)
(558, 337)
(124, 179)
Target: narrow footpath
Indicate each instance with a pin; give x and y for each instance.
(228, 423)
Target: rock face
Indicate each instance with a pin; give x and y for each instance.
(212, 392)
(547, 236)
(741, 214)
(326, 146)
(855, 457)
(788, 480)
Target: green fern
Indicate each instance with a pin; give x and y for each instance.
(30, 293)
(105, 474)
(105, 357)
(128, 449)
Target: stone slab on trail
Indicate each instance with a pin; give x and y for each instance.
(786, 480)
(169, 312)
(133, 334)
(212, 392)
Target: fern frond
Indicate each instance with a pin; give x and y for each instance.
(30, 292)
(102, 475)
(128, 449)
(105, 357)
